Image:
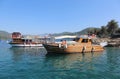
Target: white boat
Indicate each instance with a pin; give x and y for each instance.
(103, 44)
(26, 45)
(24, 41)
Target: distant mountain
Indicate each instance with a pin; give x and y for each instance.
(84, 31)
(63, 33)
(4, 35)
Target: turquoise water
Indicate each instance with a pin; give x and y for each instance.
(34, 63)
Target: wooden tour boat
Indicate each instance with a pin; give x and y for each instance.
(79, 45)
(19, 40)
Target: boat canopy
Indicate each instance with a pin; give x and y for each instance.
(66, 36)
(27, 37)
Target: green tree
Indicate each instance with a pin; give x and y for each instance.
(93, 31)
(96, 31)
(112, 27)
(118, 31)
(103, 32)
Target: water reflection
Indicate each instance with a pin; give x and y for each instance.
(113, 59)
(27, 62)
(20, 53)
(66, 61)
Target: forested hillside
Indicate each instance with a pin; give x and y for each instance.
(4, 35)
(109, 30)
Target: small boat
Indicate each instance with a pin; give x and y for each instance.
(103, 44)
(24, 41)
(80, 45)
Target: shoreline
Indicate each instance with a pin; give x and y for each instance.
(112, 42)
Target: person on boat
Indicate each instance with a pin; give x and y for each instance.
(64, 42)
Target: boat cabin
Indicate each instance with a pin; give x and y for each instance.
(67, 38)
(83, 40)
(16, 35)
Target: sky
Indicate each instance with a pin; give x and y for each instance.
(56, 16)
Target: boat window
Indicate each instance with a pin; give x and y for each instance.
(16, 40)
(30, 40)
(67, 39)
(23, 40)
(76, 39)
(84, 40)
(90, 40)
(27, 40)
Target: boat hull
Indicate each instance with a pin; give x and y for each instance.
(55, 48)
(26, 45)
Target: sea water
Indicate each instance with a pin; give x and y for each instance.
(35, 63)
